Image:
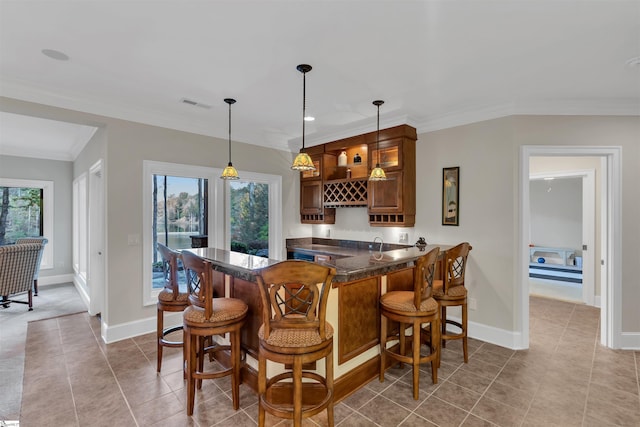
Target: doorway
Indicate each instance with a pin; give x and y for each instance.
(96, 239)
(610, 242)
(573, 192)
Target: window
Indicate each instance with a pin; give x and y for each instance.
(180, 207)
(179, 201)
(254, 215)
(193, 204)
(26, 210)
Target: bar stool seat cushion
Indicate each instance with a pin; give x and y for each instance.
(402, 302)
(295, 337)
(166, 295)
(455, 292)
(224, 310)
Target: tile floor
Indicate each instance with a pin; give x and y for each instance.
(566, 378)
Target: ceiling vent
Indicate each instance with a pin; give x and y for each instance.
(195, 103)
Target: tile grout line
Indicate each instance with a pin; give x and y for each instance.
(66, 368)
(126, 401)
(555, 349)
(593, 362)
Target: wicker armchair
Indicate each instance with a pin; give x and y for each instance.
(18, 264)
(43, 241)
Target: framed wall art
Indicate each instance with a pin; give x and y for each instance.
(451, 196)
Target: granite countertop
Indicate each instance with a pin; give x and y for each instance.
(375, 263)
(339, 251)
(356, 264)
(236, 264)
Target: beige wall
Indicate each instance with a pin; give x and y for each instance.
(123, 146)
(488, 155)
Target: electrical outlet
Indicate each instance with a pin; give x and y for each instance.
(404, 238)
(473, 304)
(133, 239)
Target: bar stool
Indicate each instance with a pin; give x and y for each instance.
(413, 308)
(207, 316)
(169, 299)
(295, 332)
(451, 292)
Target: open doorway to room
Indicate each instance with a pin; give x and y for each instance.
(607, 267)
(562, 229)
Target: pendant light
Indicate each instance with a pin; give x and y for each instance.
(229, 172)
(303, 162)
(377, 173)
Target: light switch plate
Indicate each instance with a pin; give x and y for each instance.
(404, 238)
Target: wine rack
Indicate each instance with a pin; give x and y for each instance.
(345, 193)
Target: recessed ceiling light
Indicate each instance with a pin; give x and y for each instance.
(55, 54)
(633, 62)
(309, 118)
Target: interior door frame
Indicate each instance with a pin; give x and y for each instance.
(611, 239)
(97, 243)
(588, 225)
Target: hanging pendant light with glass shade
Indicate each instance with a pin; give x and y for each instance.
(303, 162)
(377, 173)
(230, 172)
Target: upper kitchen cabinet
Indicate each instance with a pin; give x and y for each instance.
(392, 203)
(341, 178)
(312, 210)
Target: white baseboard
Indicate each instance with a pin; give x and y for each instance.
(493, 335)
(630, 341)
(123, 331)
(55, 280)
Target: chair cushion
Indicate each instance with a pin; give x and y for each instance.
(295, 337)
(167, 296)
(402, 301)
(224, 309)
(454, 292)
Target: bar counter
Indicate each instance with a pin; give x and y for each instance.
(352, 307)
(361, 264)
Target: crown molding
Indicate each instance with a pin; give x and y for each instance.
(20, 90)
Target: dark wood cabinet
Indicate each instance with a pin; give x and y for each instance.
(393, 202)
(345, 184)
(311, 198)
(312, 210)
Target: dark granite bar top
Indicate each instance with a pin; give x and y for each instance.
(348, 268)
(235, 264)
(376, 263)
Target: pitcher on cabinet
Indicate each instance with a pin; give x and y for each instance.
(342, 159)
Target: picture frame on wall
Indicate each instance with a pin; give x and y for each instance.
(451, 195)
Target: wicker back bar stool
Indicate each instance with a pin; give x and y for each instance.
(205, 317)
(295, 333)
(169, 299)
(451, 292)
(413, 309)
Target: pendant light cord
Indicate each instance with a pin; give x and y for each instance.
(229, 133)
(378, 140)
(230, 101)
(304, 103)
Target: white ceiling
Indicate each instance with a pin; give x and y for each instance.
(435, 63)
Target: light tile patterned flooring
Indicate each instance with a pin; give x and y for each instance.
(565, 379)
